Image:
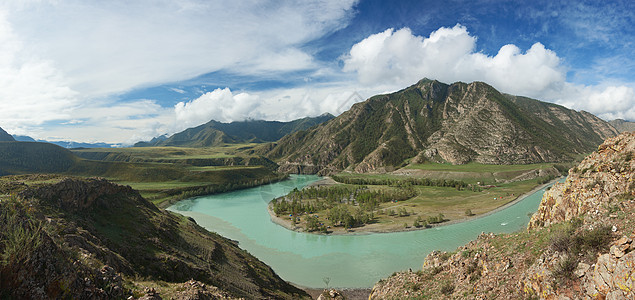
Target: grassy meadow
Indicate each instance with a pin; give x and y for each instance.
(165, 174)
(442, 193)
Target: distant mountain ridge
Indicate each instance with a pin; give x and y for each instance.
(5, 137)
(622, 125)
(215, 133)
(65, 144)
(433, 121)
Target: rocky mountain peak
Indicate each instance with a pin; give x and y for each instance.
(433, 121)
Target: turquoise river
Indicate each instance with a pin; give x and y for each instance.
(350, 261)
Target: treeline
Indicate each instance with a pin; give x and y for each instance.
(543, 180)
(336, 200)
(314, 199)
(179, 194)
(458, 184)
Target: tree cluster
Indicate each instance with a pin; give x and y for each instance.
(405, 182)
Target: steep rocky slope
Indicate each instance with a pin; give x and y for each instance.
(215, 133)
(89, 238)
(433, 121)
(579, 245)
(622, 125)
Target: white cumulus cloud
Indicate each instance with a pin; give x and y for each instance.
(394, 59)
(32, 89)
(221, 105)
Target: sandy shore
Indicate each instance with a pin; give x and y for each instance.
(286, 224)
(326, 181)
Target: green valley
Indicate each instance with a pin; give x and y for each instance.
(161, 174)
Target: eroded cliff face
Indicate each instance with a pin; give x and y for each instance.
(579, 245)
(597, 185)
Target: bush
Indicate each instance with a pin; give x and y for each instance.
(564, 269)
(20, 235)
(561, 241)
(596, 239)
(447, 288)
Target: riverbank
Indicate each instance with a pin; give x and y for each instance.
(375, 228)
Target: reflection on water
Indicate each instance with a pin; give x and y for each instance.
(350, 261)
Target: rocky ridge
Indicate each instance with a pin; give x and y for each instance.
(579, 245)
(433, 121)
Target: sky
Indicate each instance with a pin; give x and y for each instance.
(123, 71)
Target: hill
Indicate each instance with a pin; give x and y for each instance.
(435, 122)
(161, 174)
(5, 137)
(216, 133)
(622, 125)
(91, 239)
(579, 245)
(34, 157)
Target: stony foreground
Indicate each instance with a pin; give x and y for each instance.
(579, 245)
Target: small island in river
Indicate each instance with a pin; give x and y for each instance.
(416, 197)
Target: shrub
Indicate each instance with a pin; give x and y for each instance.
(596, 239)
(564, 269)
(447, 288)
(561, 241)
(20, 235)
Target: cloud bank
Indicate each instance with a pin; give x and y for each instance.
(92, 51)
(66, 82)
(395, 59)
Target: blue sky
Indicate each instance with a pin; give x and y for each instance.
(123, 71)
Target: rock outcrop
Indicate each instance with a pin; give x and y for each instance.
(579, 245)
(603, 180)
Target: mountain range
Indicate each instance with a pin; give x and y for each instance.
(215, 133)
(435, 122)
(65, 144)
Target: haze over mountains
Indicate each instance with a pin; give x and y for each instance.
(216, 133)
(433, 121)
(65, 144)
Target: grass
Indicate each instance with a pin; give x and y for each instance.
(173, 153)
(469, 173)
(21, 235)
(163, 174)
(477, 167)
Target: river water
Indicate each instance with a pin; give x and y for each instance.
(348, 261)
